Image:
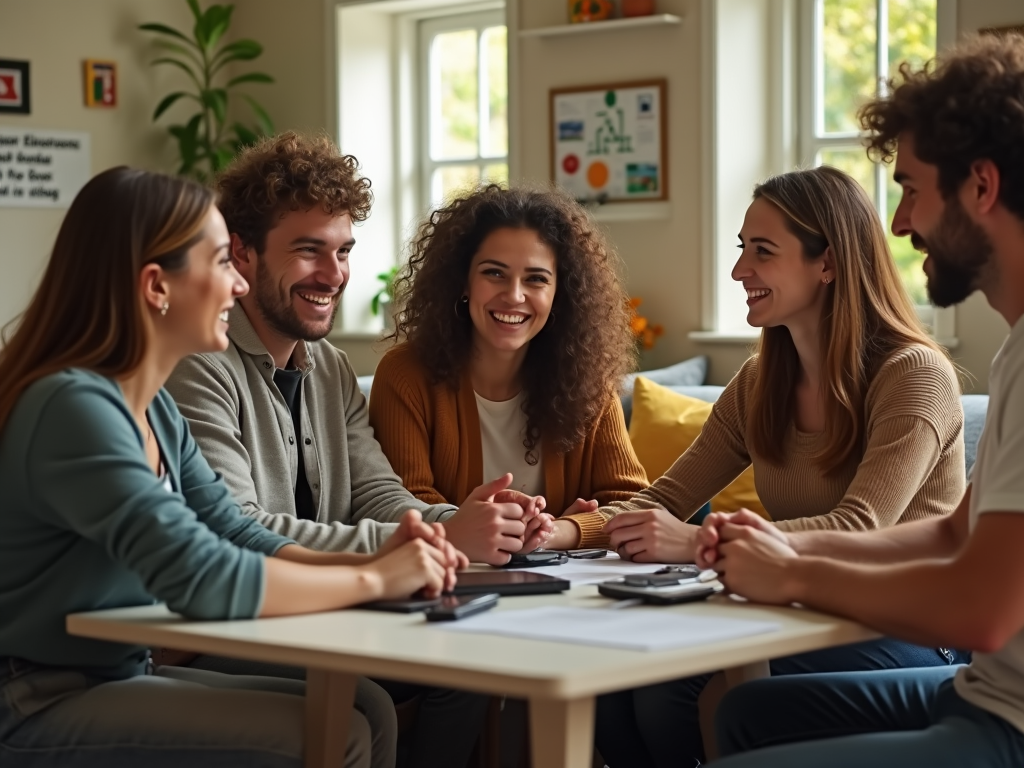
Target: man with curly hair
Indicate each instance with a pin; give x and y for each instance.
(279, 413)
(955, 581)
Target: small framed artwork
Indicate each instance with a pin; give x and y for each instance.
(15, 93)
(609, 142)
(100, 83)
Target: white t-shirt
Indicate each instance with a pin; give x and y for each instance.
(502, 431)
(995, 681)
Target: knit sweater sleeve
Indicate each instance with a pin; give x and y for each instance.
(398, 415)
(913, 455)
(713, 460)
(617, 474)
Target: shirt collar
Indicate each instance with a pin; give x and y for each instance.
(244, 336)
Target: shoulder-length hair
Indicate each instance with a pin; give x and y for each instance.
(867, 316)
(576, 364)
(87, 312)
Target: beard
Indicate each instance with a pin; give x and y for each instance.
(959, 251)
(276, 308)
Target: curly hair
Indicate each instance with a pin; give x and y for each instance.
(576, 363)
(967, 107)
(289, 172)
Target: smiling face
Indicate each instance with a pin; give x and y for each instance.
(783, 286)
(958, 250)
(299, 277)
(200, 295)
(510, 289)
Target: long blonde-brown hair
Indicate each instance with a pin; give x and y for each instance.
(87, 312)
(867, 316)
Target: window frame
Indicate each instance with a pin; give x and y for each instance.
(812, 138)
(427, 30)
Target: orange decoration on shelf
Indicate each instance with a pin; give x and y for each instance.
(590, 10)
(646, 333)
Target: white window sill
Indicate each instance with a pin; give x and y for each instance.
(716, 337)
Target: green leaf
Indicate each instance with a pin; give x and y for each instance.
(188, 53)
(180, 65)
(246, 136)
(217, 100)
(375, 305)
(221, 158)
(262, 118)
(218, 19)
(252, 77)
(196, 10)
(163, 29)
(240, 50)
(188, 142)
(167, 101)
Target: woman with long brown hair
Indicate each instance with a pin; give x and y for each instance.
(109, 503)
(849, 413)
(515, 338)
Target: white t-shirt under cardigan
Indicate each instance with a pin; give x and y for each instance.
(502, 430)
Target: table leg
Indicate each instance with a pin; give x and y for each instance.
(713, 692)
(330, 697)
(562, 732)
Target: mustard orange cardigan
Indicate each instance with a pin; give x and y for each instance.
(431, 435)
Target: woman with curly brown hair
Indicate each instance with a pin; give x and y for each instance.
(515, 338)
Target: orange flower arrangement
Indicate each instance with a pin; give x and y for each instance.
(645, 332)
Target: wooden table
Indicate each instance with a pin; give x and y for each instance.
(560, 680)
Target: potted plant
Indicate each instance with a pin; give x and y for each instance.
(383, 300)
(206, 143)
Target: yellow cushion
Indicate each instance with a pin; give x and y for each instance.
(664, 424)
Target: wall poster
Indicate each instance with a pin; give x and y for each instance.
(41, 168)
(609, 142)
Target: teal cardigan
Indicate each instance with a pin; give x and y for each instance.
(86, 525)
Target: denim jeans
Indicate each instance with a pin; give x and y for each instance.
(891, 719)
(176, 716)
(658, 726)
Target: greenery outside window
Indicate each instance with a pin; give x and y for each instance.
(464, 103)
(856, 46)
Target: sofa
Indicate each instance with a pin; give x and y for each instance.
(687, 378)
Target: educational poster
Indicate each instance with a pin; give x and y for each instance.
(608, 142)
(42, 169)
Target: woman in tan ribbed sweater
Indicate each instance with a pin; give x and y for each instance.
(850, 415)
(516, 337)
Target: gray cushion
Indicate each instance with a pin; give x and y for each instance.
(689, 373)
(975, 409)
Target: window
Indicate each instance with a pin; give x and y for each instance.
(464, 103)
(857, 44)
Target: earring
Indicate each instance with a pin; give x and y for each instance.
(164, 308)
(826, 280)
(463, 300)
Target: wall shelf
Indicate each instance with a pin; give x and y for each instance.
(612, 25)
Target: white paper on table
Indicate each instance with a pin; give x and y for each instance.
(595, 571)
(634, 629)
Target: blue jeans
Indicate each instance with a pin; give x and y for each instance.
(659, 727)
(891, 719)
(53, 717)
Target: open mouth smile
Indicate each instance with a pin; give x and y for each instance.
(312, 298)
(507, 318)
(754, 295)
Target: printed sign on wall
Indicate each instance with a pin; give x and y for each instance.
(14, 87)
(608, 142)
(42, 169)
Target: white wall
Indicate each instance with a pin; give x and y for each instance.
(55, 36)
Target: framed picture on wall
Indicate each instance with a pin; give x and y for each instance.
(100, 83)
(609, 142)
(14, 87)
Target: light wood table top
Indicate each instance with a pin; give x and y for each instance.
(559, 679)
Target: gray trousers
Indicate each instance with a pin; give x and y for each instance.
(176, 716)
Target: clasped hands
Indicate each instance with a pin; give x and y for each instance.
(751, 556)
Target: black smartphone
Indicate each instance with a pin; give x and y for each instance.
(455, 607)
(536, 559)
(586, 554)
(663, 595)
(654, 579)
(409, 605)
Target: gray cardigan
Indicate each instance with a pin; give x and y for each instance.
(244, 428)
